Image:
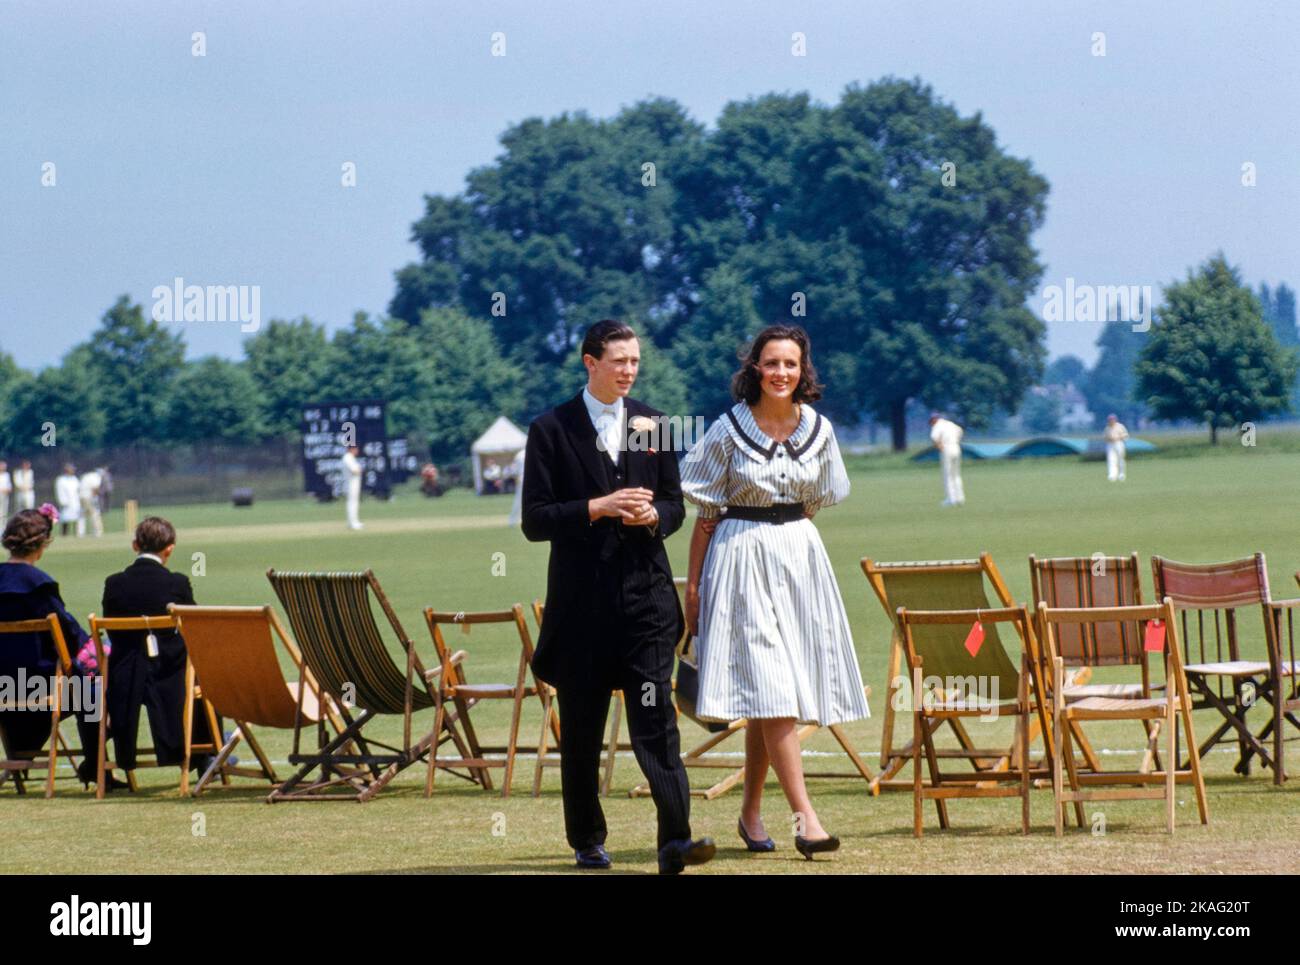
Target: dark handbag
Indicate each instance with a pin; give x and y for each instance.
(688, 687)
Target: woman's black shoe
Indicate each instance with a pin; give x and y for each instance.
(809, 848)
(767, 844)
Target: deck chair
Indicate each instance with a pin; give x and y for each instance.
(332, 619)
(1217, 673)
(697, 757)
(545, 758)
(1174, 704)
(1286, 709)
(931, 585)
(456, 692)
(101, 627)
(1098, 581)
(233, 654)
(16, 762)
(942, 671)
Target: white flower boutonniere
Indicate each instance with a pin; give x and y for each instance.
(643, 424)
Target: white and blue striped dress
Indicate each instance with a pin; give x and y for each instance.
(774, 640)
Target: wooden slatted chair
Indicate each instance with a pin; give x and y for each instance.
(455, 691)
(18, 761)
(233, 653)
(1171, 706)
(1096, 581)
(332, 620)
(545, 758)
(1207, 597)
(931, 585)
(1286, 707)
(949, 683)
(101, 627)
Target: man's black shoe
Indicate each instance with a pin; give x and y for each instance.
(594, 857)
(676, 855)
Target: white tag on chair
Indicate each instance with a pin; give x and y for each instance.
(151, 645)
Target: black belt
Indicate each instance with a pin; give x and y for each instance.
(780, 513)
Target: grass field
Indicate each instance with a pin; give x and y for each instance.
(1193, 504)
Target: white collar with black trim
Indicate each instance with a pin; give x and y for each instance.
(760, 446)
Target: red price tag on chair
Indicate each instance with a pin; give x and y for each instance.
(975, 639)
(1154, 642)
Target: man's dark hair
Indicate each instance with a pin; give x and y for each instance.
(154, 534)
(602, 333)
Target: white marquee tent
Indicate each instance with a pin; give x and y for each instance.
(494, 452)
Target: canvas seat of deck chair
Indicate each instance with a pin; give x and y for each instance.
(705, 754)
(1207, 597)
(931, 585)
(548, 758)
(459, 695)
(958, 668)
(1088, 582)
(105, 627)
(332, 620)
(236, 663)
(17, 762)
(1174, 706)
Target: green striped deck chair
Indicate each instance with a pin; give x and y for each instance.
(951, 681)
(930, 585)
(333, 620)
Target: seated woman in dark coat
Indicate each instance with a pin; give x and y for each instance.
(29, 593)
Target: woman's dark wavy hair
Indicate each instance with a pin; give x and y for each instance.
(747, 384)
(26, 532)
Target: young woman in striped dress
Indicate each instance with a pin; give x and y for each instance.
(772, 637)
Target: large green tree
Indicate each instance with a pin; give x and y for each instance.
(894, 229)
(288, 361)
(61, 406)
(14, 384)
(214, 400)
(1210, 356)
(706, 350)
(133, 360)
(444, 378)
(566, 227)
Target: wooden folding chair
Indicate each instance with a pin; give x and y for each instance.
(107, 626)
(544, 756)
(1287, 667)
(698, 756)
(333, 622)
(456, 691)
(233, 653)
(16, 761)
(930, 585)
(1220, 677)
(1169, 707)
(950, 682)
(1096, 581)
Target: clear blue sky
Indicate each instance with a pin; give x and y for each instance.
(225, 169)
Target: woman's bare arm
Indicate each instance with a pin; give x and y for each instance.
(700, 537)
